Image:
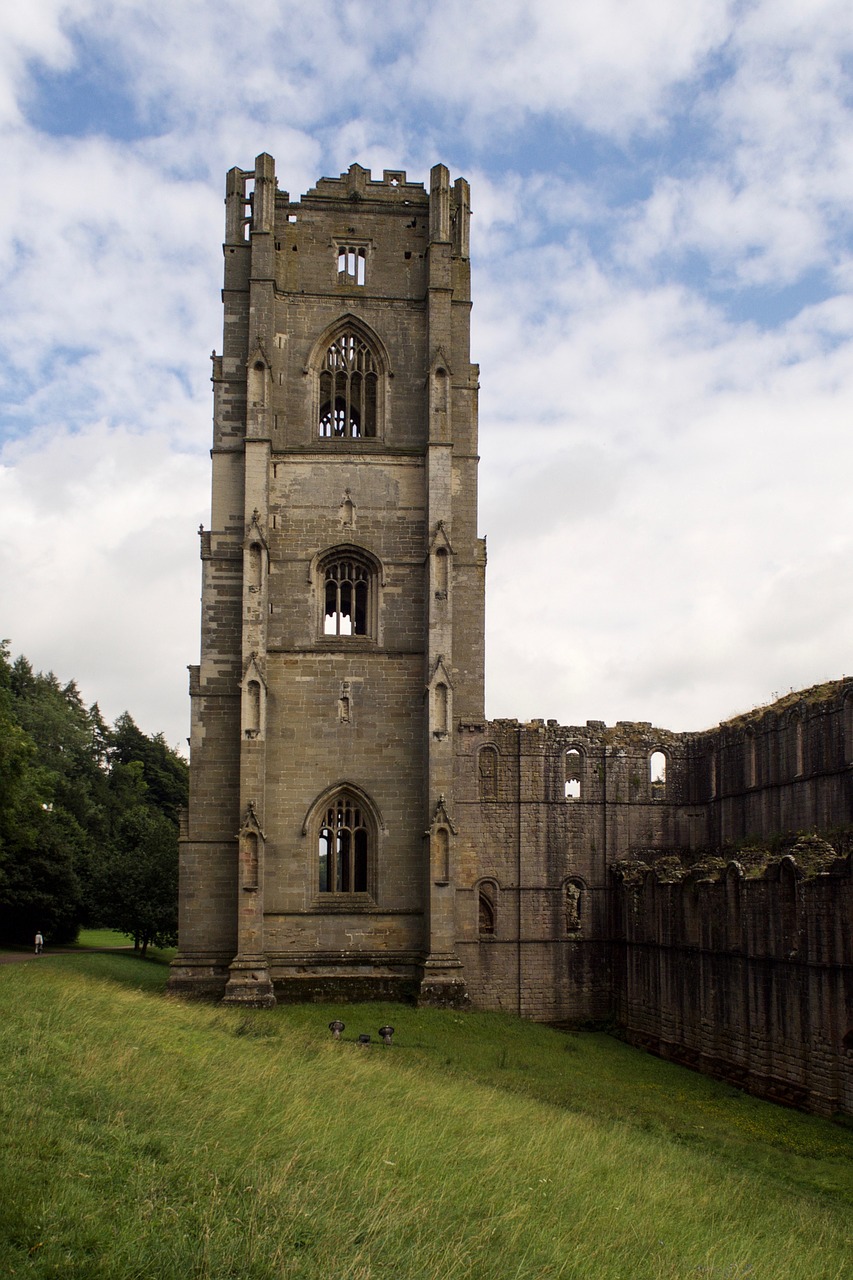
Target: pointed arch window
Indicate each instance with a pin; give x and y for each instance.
(348, 591)
(487, 908)
(349, 389)
(345, 846)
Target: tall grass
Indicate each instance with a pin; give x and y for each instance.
(142, 1137)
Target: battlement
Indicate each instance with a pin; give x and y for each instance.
(358, 184)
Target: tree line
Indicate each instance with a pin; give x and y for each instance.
(88, 816)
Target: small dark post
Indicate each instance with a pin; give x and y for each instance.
(336, 1028)
(386, 1033)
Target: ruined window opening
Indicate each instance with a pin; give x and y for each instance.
(486, 913)
(343, 847)
(352, 264)
(248, 208)
(348, 585)
(488, 770)
(348, 390)
(657, 775)
(574, 764)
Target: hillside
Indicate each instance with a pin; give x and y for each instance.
(146, 1137)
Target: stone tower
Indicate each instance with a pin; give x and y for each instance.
(342, 597)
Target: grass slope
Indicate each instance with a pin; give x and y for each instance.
(143, 1137)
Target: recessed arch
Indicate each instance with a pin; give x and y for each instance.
(486, 897)
(574, 891)
(487, 772)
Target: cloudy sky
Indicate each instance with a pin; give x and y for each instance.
(663, 280)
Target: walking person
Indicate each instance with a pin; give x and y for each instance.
(39, 943)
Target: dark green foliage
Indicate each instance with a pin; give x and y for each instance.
(88, 816)
(138, 886)
(164, 772)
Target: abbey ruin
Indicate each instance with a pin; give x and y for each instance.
(357, 828)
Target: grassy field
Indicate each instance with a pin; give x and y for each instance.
(146, 1138)
(102, 938)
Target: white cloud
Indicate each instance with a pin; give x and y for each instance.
(99, 563)
(611, 66)
(769, 195)
(31, 32)
(663, 485)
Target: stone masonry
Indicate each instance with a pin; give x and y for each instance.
(356, 827)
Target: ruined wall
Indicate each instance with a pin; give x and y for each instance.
(783, 768)
(747, 972)
(744, 973)
(543, 810)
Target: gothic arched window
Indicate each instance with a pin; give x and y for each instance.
(348, 586)
(349, 389)
(345, 845)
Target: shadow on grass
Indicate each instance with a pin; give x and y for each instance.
(127, 968)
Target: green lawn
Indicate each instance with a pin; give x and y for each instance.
(144, 1137)
(102, 938)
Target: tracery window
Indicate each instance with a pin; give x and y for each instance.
(348, 585)
(349, 380)
(344, 846)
